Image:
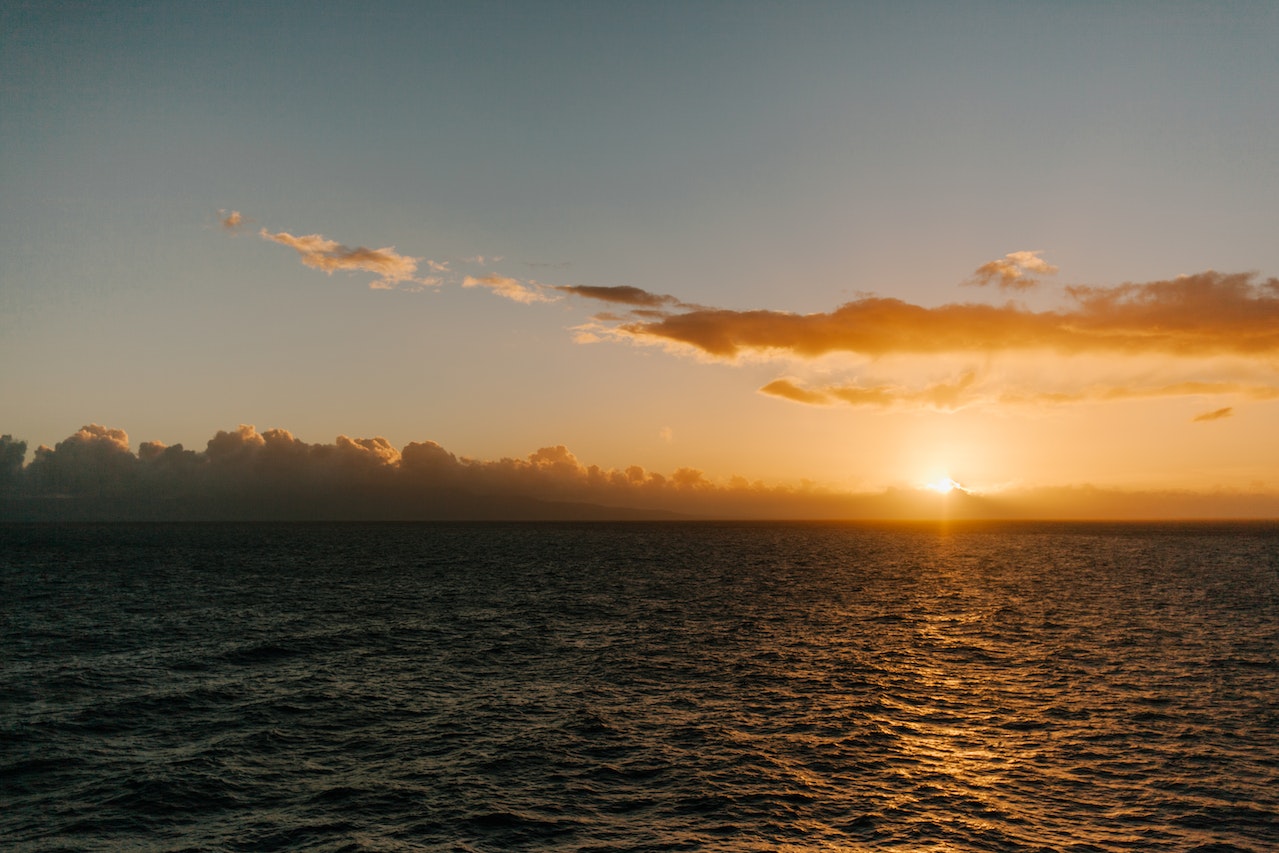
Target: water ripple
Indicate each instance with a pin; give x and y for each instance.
(640, 687)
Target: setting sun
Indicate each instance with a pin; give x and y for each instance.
(944, 486)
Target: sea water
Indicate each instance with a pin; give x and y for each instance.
(669, 686)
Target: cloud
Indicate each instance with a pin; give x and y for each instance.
(623, 295)
(1200, 315)
(231, 220)
(969, 388)
(789, 389)
(243, 474)
(1215, 415)
(392, 268)
(943, 396)
(1205, 316)
(508, 287)
(11, 455)
(1113, 393)
(1012, 271)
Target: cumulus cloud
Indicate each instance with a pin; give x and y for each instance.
(231, 220)
(321, 253)
(1215, 415)
(243, 474)
(1014, 271)
(509, 288)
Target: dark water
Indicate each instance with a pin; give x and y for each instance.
(640, 687)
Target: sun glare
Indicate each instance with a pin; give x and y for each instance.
(944, 486)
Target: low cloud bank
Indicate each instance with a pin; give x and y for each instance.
(242, 474)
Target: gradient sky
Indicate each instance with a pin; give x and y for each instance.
(473, 177)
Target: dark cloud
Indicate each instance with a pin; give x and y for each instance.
(622, 295)
(246, 475)
(12, 454)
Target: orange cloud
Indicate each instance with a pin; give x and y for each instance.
(969, 389)
(321, 253)
(1201, 315)
(231, 220)
(1013, 271)
(1103, 393)
(787, 389)
(945, 396)
(508, 287)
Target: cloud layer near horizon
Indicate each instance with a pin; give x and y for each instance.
(246, 475)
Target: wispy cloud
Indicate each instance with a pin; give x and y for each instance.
(510, 288)
(943, 395)
(621, 295)
(1215, 415)
(1014, 271)
(969, 388)
(231, 220)
(321, 253)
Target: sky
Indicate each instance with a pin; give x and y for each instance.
(851, 248)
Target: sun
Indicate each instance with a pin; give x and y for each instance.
(944, 486)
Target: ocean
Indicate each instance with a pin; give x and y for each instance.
(640, 686)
